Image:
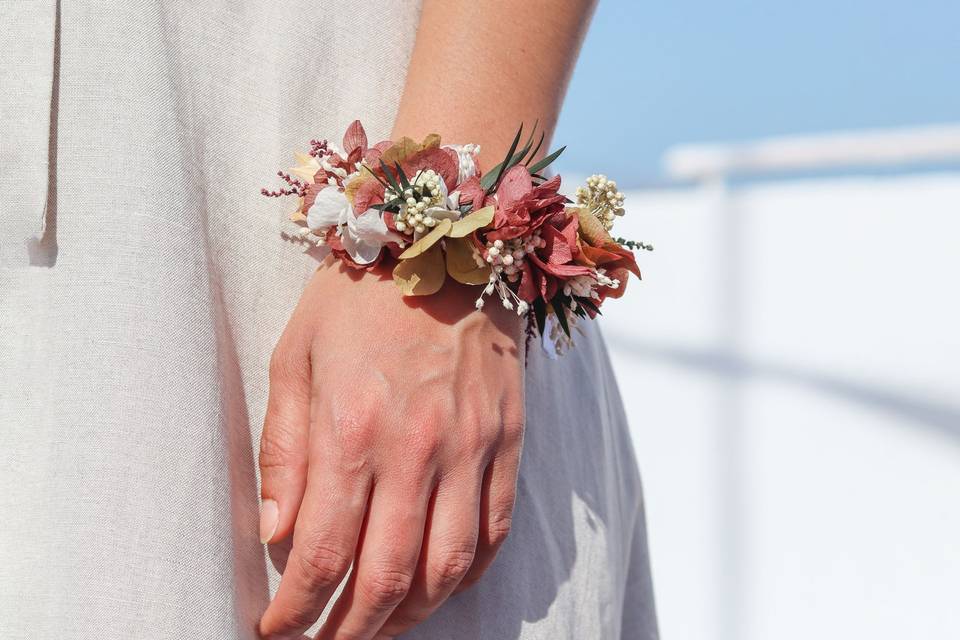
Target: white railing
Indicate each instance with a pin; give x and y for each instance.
(885, 147)
(732, 222)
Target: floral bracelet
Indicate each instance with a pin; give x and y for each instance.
(428, 209)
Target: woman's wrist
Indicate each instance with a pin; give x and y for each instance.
(361, 288)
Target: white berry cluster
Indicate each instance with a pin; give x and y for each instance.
(508, 298)
(426, 191)
(586, 286)
(506, 257)
(602, 198)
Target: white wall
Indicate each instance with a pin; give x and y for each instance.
(791, 366)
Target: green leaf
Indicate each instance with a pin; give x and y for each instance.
(390, 178)
(492, 178)
(519, 156)
(537, 166)
(587, 302)
(540, 314)
(403, 178)
(516, 158)
(533, 154)
(375, 176)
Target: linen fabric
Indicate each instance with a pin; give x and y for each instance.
(143, 285)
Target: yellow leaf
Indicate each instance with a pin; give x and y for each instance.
(432, 140)
(471, 222)
(460, 263)
(400, 151)
(591, 228)
(307, 168)
(422, 275)
(427, 241)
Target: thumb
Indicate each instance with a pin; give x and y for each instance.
(283, 442)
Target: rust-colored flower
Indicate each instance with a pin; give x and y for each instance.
(599, 250)
(523, 207)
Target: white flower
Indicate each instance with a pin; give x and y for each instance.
(467, 155)
(362, 235)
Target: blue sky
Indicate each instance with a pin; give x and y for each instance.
(655, 73)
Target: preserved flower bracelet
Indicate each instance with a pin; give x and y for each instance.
(429, 210)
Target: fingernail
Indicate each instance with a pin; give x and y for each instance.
(269, 519)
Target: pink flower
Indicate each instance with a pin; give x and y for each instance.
(522, 208)
(535, 217)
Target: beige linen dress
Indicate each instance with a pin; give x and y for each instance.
(143, 284)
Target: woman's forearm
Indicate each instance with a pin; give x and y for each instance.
(480, 68)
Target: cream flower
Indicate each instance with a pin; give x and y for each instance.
(426, 204)
(362, 236)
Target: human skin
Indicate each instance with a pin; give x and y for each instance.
(394, 426)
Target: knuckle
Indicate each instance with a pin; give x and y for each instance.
(354, 434)
(387, 587)
(298, 616)
(512, 430)
(452, 565)
(499, 527)
(478, 440)
(425, 448)
(323, 565)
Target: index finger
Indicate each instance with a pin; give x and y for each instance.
(324, 542)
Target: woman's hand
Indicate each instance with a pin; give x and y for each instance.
(392, 441)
